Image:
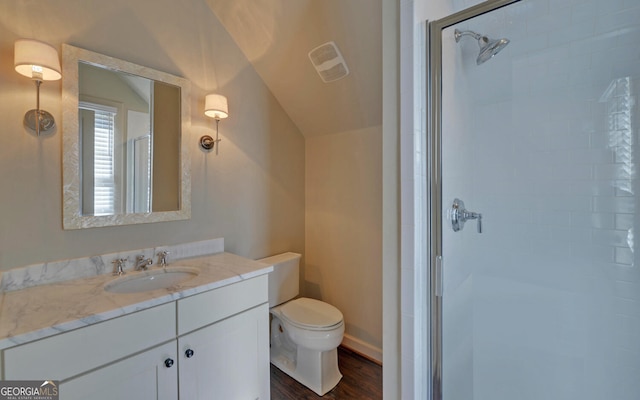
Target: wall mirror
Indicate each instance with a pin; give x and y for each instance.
(125, 155)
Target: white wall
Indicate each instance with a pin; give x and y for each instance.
(412, 59)
(343, 259)
(252, 193)
(392, 371)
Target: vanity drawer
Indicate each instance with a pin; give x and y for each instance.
(67, 354)
(206, 308)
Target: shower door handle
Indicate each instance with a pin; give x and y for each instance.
(458, 215)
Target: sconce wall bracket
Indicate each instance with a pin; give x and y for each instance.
(207, 142)
(46, 121)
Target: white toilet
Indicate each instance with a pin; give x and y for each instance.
(305, 333)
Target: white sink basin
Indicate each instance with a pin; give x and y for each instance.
(151, 280)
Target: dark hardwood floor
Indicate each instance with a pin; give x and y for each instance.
(362, 379)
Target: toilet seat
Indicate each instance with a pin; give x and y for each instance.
(311, 314)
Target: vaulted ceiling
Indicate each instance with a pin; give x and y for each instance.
(276, 37)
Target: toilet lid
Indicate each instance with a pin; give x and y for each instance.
(310, 313)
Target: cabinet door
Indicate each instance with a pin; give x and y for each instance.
(230, 359)
(142, 377)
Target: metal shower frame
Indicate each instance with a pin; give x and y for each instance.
(434, 172)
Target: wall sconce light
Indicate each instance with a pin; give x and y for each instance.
(215, 106)
(40, 62)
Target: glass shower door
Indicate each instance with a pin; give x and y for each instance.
(540, 144)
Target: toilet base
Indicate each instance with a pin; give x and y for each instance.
(314, 369)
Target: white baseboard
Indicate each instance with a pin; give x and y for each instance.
(361, 347)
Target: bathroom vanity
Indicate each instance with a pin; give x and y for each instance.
(205, 338)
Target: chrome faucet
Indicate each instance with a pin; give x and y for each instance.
(162, 258)
(141, 263)
(118, 266)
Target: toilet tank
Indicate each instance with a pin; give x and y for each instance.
(284, 281)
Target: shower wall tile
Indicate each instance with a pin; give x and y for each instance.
(590, 156)
(549, 22)
(583, 12)
(626, 306)
(624, 205)
(593, 254)
(628, 290)
(580, 235)
(624, 255)
(629, 4)
(592, 188)
(611, 172)
(555, 6)
(554, 218)
(601, 61)
(615, 238)
(593, 220)
(628, 328)
(627, 69)
(532, 133)
(530, 44)
(624, 221)
(575, 32)
(613, 21)
(522, 12)
(612, 7)
(626, 273)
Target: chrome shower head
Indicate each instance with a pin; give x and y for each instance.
(488, 47)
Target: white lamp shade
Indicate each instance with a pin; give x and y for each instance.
(215, 106)
(37, 60)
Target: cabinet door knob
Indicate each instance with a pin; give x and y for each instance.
(189, 353)
(168, 363)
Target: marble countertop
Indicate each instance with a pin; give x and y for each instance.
(41, 311)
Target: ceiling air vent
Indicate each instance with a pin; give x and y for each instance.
(328, 61)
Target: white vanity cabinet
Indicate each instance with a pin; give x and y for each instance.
(212, 345)
(236, 364)
(144, 376)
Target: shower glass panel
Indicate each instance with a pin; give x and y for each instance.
(542, 141)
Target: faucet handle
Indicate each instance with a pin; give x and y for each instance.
(119, 261)
(118, 266)
(162, 258)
